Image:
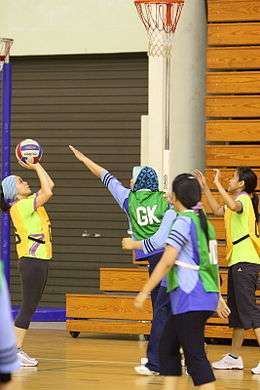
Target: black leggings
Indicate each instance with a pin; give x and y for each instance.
(5, 378)
(34, 274)
(187, 331)
(153, 261)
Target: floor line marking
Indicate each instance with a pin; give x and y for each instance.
(87, 361)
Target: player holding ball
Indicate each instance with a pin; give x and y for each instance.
(32, 234)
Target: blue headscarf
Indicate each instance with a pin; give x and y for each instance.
(9, 188)
(146, 179)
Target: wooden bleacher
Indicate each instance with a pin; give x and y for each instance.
(110, 313)
(232, 139)
(115, 313)
(233, 100)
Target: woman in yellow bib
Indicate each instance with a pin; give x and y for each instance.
(33, 244)
(243, 249)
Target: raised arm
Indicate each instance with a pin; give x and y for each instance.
(217, 209)
(232, 204)
(118, 191)
(46, 183)
(91, 165)
(49, 179)
(45, 192)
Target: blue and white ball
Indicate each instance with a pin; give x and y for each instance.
(28, 150)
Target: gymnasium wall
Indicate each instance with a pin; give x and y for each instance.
(93, 102)
(112, 26)
(71, 27)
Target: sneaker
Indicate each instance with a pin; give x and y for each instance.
(144, 361)
(25, 360)
(182, 358)
(228, 363)
(256, 370)
(143, 370)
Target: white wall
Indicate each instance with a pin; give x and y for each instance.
(187, 97)
(189, 76)
(71, 26)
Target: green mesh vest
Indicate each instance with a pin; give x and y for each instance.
(207, 261)
(146, 211)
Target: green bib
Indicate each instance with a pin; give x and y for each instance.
(206, 256)
(146, 211)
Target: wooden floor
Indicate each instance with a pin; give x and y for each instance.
(107, 364)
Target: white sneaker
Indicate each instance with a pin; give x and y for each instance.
(182, 357)
(256, 370)
(25, 360)
(144, 361)
(228, 363)
(183, 363)
(143, 370)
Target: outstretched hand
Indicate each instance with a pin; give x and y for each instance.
(216, 179)
(200, 177)
(28, 165)
(80, 156)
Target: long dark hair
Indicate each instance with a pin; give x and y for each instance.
(249, 177)
(4, 206)
(188, 191)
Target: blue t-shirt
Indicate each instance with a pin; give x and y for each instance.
(190, 295)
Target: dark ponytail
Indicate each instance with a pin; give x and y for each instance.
(255, 202)
(204, 223)
(4, 206)
(188, 191)
(249, 177)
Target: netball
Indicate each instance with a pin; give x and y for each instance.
(28, 150)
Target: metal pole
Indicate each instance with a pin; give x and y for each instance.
(167, 119)
(6, 142)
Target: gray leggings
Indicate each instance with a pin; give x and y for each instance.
(34, 274)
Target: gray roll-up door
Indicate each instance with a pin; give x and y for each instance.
(93, 102)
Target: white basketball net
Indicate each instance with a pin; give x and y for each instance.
(160, 20)
(159, 43)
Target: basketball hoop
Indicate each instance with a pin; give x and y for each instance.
(5, 46)
(160, 18)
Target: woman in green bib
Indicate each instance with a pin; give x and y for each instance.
(33, 244)
(145, 207)
(143, 204)
(243, 249)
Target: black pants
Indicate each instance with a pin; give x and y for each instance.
(153, 261)
(241, 299)
(161, 314)
(187, 331)
(4, 378)
(34, 274)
